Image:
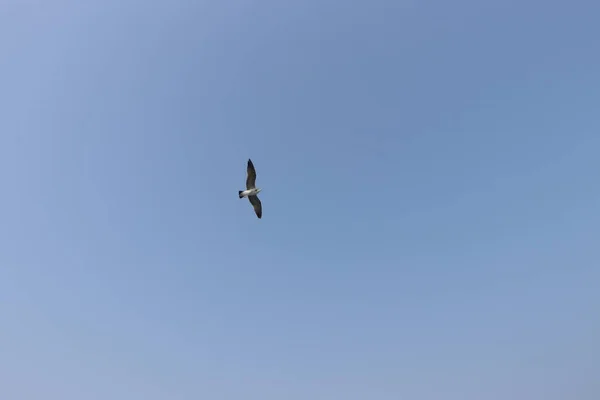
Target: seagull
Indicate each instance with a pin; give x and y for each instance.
(251, 189)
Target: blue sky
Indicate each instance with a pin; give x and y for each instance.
(430, 192)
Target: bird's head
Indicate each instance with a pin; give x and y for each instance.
(258, 190)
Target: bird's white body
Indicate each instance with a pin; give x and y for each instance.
(249, 192)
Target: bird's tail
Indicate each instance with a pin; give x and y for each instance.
(240, 193)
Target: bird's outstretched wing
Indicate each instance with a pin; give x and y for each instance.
(251, 178)
(255, 201)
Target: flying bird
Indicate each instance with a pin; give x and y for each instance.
(251, 189)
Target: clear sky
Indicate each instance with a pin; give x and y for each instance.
(431, 200)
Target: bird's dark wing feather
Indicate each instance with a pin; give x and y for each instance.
(255, 201)
(251, 178)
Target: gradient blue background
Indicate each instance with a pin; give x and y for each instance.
(431, 194)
